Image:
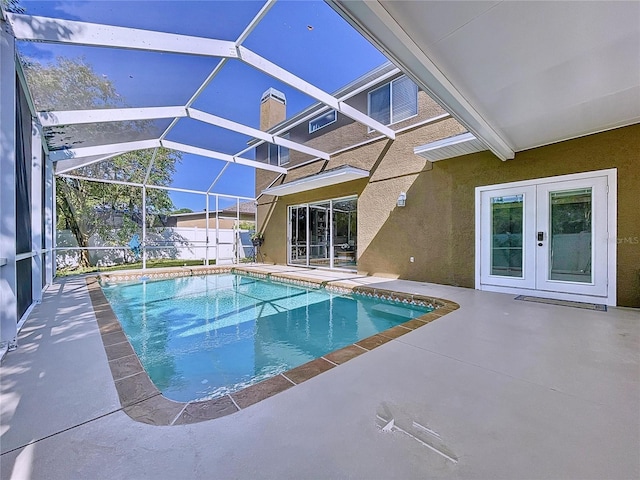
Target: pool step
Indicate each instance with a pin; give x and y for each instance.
(394, 311)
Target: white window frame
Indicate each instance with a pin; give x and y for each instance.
(390, 85)
(335, 119)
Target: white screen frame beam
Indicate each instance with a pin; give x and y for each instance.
(79, 117)
(55, 30)
(44, 29)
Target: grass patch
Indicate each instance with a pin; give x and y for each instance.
(160, 263)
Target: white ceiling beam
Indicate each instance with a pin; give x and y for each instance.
(150, 166)
(203, 152)
(100, 180)
(253, 132)
(57, 155)
(54, 30)
(132, 184)
(155, 187)
(279, 73)
(76, 117)
(215, 180)
(206, 82)
(372, 20)
(64, 166)
(256, 20)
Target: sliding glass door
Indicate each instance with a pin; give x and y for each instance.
(345, 225)
(298, 235)
(324, 234)
(319, 255)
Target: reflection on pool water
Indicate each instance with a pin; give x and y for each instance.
(206, 336)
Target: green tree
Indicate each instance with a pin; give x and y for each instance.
(181, 210)
(110, 212)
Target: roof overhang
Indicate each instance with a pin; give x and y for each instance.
(380, 28)
(463, 144)
(319, 180)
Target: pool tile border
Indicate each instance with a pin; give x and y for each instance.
(143, 402)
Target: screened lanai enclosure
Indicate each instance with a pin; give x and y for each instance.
(129, 135)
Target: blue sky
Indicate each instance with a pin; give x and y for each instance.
(306, 37)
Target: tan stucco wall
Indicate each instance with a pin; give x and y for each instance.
(437, 227)
(355, 132)
(392, 165)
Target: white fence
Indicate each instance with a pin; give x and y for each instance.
(179, 243)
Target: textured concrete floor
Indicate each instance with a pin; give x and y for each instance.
(497, 389)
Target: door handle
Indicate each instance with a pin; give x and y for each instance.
(540, 237)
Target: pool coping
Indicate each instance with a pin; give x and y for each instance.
(143, 402)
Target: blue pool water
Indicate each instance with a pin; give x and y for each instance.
(202, 337)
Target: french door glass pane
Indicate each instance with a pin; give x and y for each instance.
(319, 234)
(570, 238)
(506, 235)
(345, 222)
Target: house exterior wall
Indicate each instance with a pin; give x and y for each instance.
(618, 148)
(346, 132)
(392, 164)
(437, 226)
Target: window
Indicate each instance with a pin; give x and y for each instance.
(322, 121)
(278, 155)
(394, 102)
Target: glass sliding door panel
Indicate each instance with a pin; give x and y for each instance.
(319, 253)
(345, 233)
(506, 236)
(570, 228)
(298, 225)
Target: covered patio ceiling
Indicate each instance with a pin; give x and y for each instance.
(517, 74)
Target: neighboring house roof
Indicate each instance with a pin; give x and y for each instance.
(246, 208)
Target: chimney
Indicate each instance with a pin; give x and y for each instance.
(273, 109)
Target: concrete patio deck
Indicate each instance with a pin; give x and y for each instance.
(496, 389)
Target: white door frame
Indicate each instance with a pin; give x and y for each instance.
(612, 222)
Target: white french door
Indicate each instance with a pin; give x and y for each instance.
(550, 235)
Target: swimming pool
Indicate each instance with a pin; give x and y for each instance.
(202, 337)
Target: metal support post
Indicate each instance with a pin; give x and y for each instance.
(144, 227)
(206, 230)
(8, 279)
(217, 232)
(36, 214)
(49, 225)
